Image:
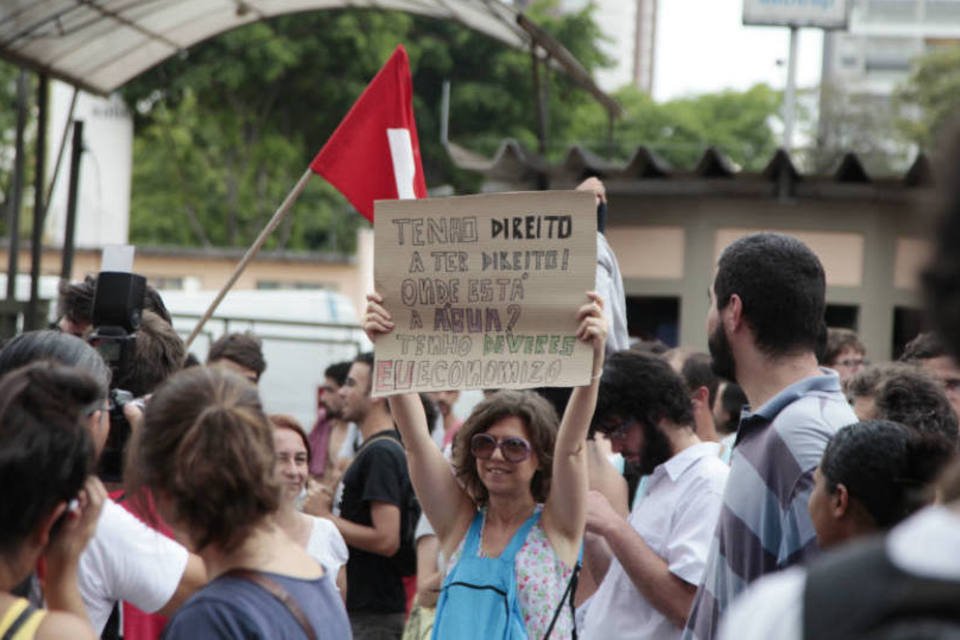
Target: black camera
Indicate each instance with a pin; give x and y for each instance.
(117, 310)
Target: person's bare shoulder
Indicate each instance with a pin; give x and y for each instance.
(58, 624)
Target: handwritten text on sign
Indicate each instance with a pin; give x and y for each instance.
(484, 290)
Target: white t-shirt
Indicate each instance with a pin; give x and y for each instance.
(925, 544)
(327, 546)
(676, 518)
(127, 560)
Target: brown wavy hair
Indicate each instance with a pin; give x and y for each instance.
(207, 445)
(540, 422)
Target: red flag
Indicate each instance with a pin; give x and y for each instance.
(375, 154)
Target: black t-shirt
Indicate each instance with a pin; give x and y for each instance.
(377, 474)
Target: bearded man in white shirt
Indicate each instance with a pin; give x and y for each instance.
(649, 565)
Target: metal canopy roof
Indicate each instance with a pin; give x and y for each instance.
(98, 45)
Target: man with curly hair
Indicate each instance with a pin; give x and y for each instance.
(649, 566)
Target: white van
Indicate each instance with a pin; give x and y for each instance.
(303, 332)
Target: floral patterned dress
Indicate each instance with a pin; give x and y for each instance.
(541, 582)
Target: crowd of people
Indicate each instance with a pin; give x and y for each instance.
(779, 486)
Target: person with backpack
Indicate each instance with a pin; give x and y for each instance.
(205, 452)
(51, 500)
(873, 476)
(510, 518)
(378, 513)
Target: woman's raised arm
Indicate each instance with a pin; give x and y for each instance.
(444, 502)
(565, 512)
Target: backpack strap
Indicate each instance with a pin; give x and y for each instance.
(386, 434)
(570, 593)
(860, 589)
(273, 588)
(28, 614)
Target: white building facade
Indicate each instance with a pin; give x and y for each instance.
(106, 168)
(884, 36)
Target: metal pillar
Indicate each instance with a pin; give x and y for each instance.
(790, 94)
(541, 107)
(13, 210)
(68, 240)
(445, 113)
(31, 320)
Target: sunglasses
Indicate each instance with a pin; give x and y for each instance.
(512, 448)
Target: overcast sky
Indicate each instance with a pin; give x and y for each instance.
(703, 47)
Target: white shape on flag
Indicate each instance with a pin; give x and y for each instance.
(404, 170)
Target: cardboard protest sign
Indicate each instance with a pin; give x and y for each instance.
(484, 291)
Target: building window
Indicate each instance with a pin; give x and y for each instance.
(654, 318)
(270, 285)
(907, 324)
(166, 283)
(846, 316)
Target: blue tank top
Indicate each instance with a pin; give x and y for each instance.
(479, 595)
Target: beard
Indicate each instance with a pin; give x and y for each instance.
(721, 354)
(334, 414)
(656, 450)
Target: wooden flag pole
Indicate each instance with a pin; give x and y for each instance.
(251, 253)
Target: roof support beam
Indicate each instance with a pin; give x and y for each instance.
(569, 64)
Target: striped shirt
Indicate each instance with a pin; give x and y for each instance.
(764, 524)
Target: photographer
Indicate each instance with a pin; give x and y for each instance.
(125, 560)
(75, 306)
(158, 353)
(142, 350)
(155, 353)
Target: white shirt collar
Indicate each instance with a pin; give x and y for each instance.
(678, 464)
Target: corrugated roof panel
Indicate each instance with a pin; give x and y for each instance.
(101, 44)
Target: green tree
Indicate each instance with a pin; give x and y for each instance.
(9, 74)
(930, 96)
(861, 123)
(225, 130)
(737, 122)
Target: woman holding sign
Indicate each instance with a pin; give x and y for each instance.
(511, 517)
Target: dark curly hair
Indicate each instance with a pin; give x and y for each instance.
(905, 394)
(643, 387)
(783, 289)
(888, 467)
(540, 421)
(924, 346)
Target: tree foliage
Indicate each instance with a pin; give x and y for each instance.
(930, 97)
(860, 123)
(224, 130)
(9, 74)
(679, 130)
